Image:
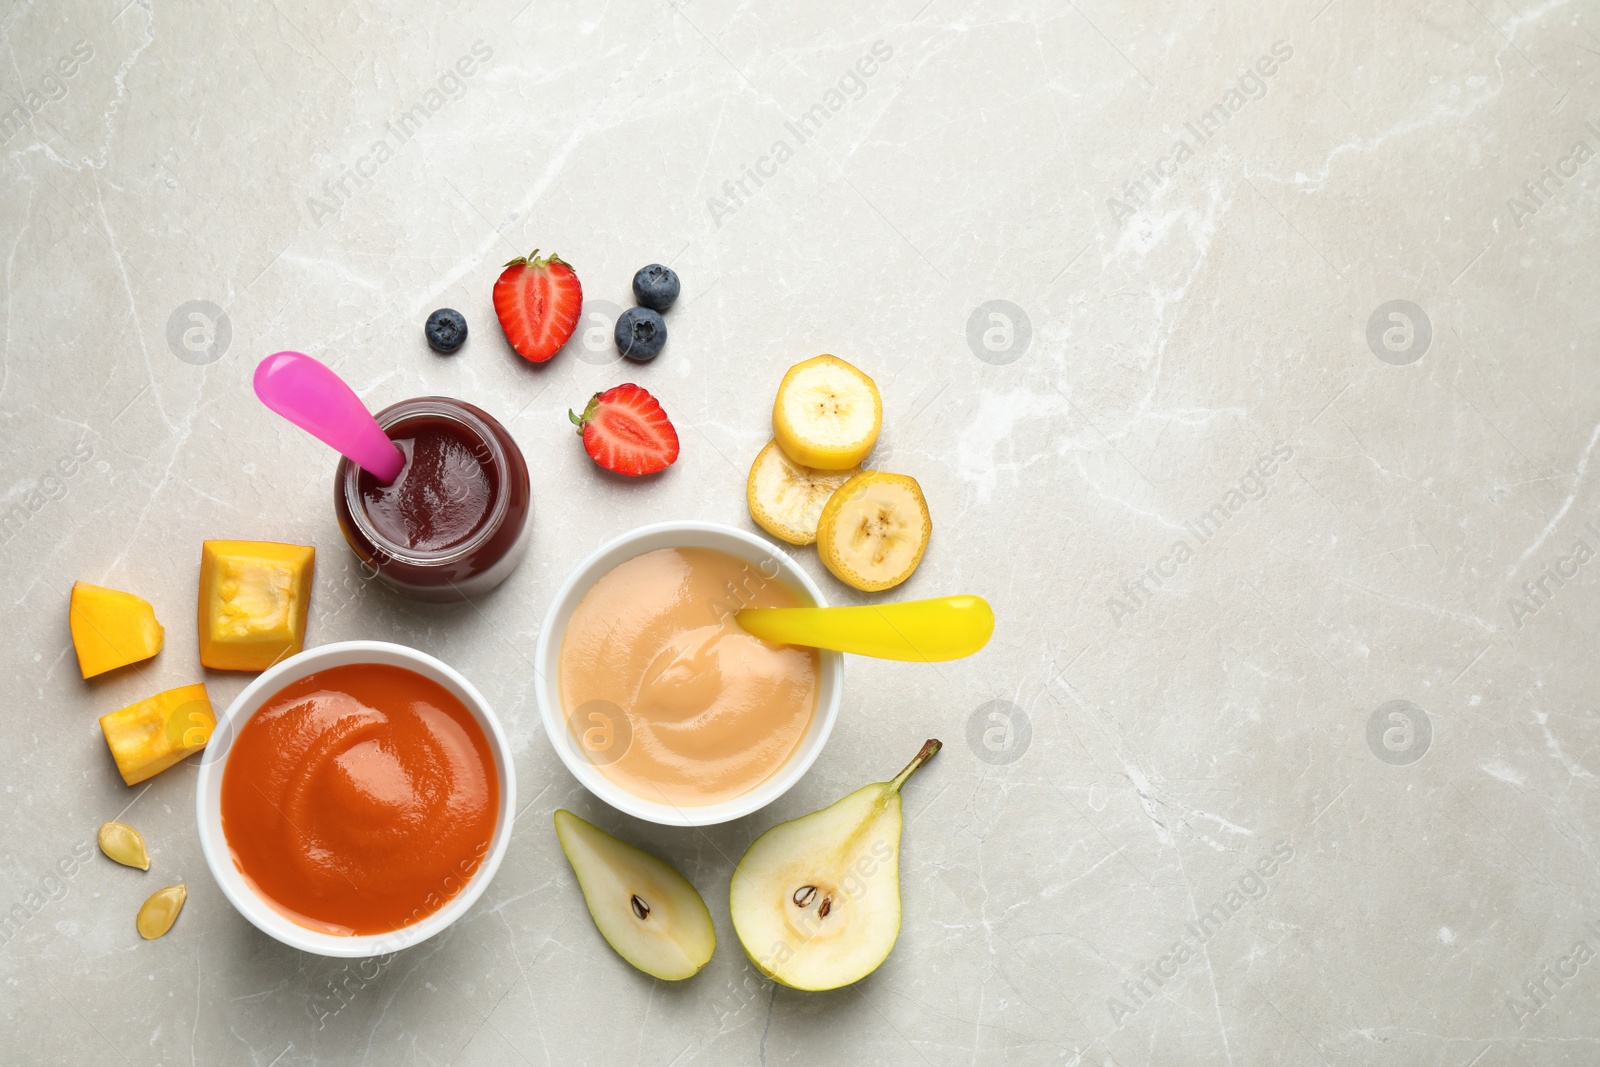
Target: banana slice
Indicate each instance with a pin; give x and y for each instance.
(874, 530)
(786, 499)
(827, 414)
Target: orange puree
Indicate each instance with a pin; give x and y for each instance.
(360, 798)
(705, 711)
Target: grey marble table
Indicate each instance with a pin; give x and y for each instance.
(1245, 353)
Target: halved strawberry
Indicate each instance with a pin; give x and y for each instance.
(625, 430)
(538, 302)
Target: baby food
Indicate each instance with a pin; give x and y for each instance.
(663, 690)
(456, 520)
(360, 799)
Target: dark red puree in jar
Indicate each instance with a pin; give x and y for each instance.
(456, 520)
(443, 493)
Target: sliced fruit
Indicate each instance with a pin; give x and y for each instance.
(254, 596)
(874, 529)
(644, 909)
(786, 499)
(123, 843)
(816, 901)
(148, 737)
(827, 414)
(538, 302)
(160, 911)
(624, 430)
(111, 629)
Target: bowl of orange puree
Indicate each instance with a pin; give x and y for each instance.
(356, 799)
(654, 697)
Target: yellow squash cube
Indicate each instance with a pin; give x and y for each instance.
(253, 601)
(148, 737)
(111, 629)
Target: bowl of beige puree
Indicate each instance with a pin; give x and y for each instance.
(653, 696)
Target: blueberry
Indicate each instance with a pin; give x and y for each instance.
(640, 334)
(656, 287)
(446, 330)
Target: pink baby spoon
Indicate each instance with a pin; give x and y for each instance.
(311, 396)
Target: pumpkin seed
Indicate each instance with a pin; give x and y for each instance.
(122, 843)
(157, 914)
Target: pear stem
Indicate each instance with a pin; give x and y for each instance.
(929, 747)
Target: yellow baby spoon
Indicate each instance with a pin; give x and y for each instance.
(922, 631)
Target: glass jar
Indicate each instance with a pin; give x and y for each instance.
(457, 519)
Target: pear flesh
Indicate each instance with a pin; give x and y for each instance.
(816, 900)
(646, 910)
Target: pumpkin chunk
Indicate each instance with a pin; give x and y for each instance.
(111, 629)
(253, 601)
(148, 737)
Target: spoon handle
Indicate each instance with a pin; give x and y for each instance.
(920, 631)
(317, 400)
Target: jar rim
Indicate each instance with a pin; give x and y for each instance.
(477, 423)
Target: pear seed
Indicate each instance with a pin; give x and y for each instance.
(122, 843)
(158, 913)
(804, 896)
(640, 908)
(825, 907)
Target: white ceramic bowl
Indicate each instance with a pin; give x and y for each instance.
(208, 799)
(755, 550)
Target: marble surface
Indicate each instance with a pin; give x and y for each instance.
(1245, 355)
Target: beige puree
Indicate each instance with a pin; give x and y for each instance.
(706, 710)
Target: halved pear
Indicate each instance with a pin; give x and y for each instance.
(816, 900)
(645, 910)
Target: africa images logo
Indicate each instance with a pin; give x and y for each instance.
(1249, 888)
(449, 86)
(851, 85)
(1202, 130)
(1551, 978)
(1539, 191)
(52, 86)
(1556, 573)
(1140, 589)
